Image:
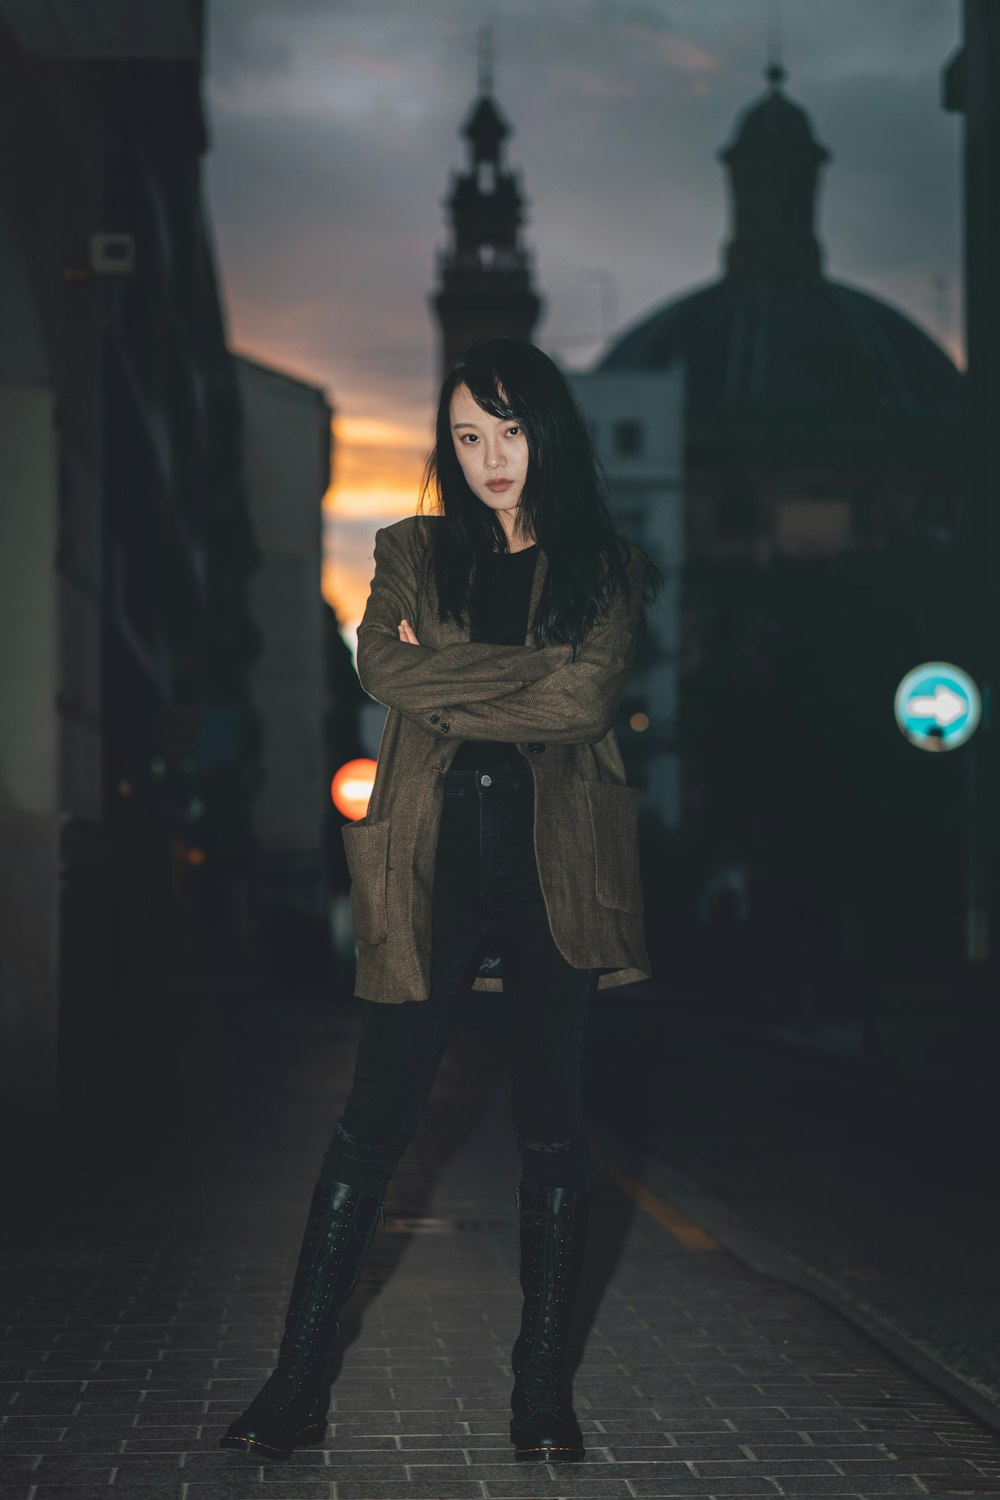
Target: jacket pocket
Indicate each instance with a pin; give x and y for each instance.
(614, 818)
(367, 848)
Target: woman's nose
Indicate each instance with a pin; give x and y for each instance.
(493, 459)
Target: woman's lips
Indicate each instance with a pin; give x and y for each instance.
(499, 484)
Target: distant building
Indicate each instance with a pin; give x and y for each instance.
(822, 473)
(819, 419)
(485, 272)
(972, 89)
(636, 422)
(126, 732)
(286, 458)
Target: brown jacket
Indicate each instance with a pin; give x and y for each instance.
(558, 712)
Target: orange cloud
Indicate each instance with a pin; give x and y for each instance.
(686, 57)
(378, 466)
(346, 589)
(376, 432)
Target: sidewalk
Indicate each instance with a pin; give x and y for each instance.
(143, 1308)
(868, 1191)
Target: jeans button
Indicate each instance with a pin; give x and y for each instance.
(486, 781)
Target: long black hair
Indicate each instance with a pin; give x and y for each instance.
(564, 502)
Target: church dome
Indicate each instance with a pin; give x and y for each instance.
(775, 346)
(776, 124)
(766, 347)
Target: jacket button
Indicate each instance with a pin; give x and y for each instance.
(445, 728)
(434, 718)
(536, 749)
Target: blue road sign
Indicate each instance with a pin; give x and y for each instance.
(937, 706)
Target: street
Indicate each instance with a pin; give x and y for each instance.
(147, 1273)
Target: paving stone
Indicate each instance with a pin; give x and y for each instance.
(883, 1484)
(561, 1486)
(152, 1439)
(704, 1489)
(819, 1446)
(953, 1488)
(89, 1468)
(31, 1426)
(780, 1469)
(156, 1490)
(255, 1489)
(350, 1489)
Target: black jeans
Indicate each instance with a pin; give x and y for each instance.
(486, 898)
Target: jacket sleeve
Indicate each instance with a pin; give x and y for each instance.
(577, 702)
(418, 680)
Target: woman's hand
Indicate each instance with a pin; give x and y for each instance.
(407, 633)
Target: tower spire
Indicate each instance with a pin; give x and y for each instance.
(486, 60)
(775, 72)
(486, 269)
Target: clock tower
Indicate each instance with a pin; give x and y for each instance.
(485, 271)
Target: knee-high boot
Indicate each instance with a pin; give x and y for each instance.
(552, 1229)
(290, 1410)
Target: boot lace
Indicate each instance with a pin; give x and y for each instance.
(288, 1384)
(538, 1387)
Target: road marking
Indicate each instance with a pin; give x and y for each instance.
(690, 1234)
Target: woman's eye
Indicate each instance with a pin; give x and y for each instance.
(469, 437)
(515, 430)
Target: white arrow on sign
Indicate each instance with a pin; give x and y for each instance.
(944, 707)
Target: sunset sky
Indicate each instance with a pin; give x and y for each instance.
(333, 129)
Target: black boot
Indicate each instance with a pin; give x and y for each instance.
(290, 1410)
(552, 1228)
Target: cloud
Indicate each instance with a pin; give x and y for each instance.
(678, 53)
(327, 194)
(349, 564)
(334, 130)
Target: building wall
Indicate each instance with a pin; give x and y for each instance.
(635, 422)
(286, 454)
(29, 613)
(30, 821)
(49, 597)
(123, 546)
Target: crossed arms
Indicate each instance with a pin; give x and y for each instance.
(477, 691)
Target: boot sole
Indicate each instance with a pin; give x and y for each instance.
(549, 1455)
(306, 1437)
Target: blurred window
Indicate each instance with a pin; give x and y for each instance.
(627, 439)
(737, 514)
(812, 528)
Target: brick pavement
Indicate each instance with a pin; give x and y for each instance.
(143, 1307)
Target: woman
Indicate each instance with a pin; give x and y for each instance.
(500, 634)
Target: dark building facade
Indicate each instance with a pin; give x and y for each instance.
(972, 88)
(824, 493)
(129, 738)
(485, 272)
(819, 419)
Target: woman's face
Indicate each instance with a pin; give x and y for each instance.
(493, 453)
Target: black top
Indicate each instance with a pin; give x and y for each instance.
(501, 597)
